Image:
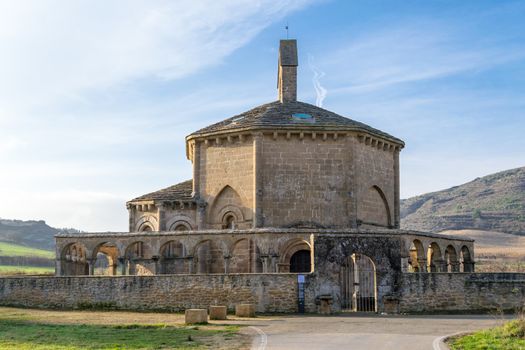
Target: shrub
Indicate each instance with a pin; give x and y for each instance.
(514, 329)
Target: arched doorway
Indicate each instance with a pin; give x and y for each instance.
(434, 260)
(451, 259)
(172, 258)
(137, 260)
(467, 265)
(74, 260)
(243, 257)
(417, 259)
(105, 257)
(301, 262)
(208, 258)
(358, 284)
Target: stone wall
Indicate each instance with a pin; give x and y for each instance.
(333, 250)
(462, 292)
(227, 166)
(305, 181)
(194, 252)
(176, 219)
(375, 176)
(270, 292)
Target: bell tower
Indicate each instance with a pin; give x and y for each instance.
(287, 74)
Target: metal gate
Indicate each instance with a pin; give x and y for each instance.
(358, 284)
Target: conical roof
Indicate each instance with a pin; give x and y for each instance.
(290, 115)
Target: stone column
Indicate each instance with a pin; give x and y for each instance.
(274, 266)
(131, 211)
(265, 262)
(355, 295)
(122, 262)
(156, 269)
(227, 264)
(396, 187)
(422, 264)
(258, 220)
(196, 191)
(468, 267)
(196, 160)
(441, 265)
(58, 267)
(190, 264)
(113, 269)
(201, 214)
(351, 181)
(161, 214)
(91, 264)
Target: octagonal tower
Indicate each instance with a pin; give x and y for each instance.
(291, 164)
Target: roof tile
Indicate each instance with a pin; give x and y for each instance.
(278, 114)
(180, 192)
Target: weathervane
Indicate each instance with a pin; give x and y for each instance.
(286, 31)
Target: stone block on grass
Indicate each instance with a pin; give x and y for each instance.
(195, 316)
(217, 312)
(245, 310)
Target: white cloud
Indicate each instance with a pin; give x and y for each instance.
(52, 49)
(85, 210)
(409, 53)
(65, 153)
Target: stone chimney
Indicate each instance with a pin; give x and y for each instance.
(287, 75)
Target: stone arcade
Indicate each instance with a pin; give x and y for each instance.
(286, 189)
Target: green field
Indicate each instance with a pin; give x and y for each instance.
(40, 329)
(510, 336)
(25, 270)
(21, 260)
(10, 249)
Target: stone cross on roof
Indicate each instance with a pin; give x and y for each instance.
(287, 73)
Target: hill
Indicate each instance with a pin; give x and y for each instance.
(492, 203)
(15, 250)
(32, 233)
(17, 259)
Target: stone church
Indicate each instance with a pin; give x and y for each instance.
(284, 188)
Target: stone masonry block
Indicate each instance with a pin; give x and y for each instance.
(218, 312)
(195, 316)
(245, 310)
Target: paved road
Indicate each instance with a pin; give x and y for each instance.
(362, 332)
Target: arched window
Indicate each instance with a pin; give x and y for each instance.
(171, 258)
(137, 250)
(451, 259)
(74, 260)
(106, 259)
(417, 259)
(229, 221)
(301, 262)
(467, 265)
(146, 228)
(181, 228)
(434, 259)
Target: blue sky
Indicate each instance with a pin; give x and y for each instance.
(97, 96)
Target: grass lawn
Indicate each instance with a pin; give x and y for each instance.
(510, 336)
(26, 270)
(9, 249)
(44, 329)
